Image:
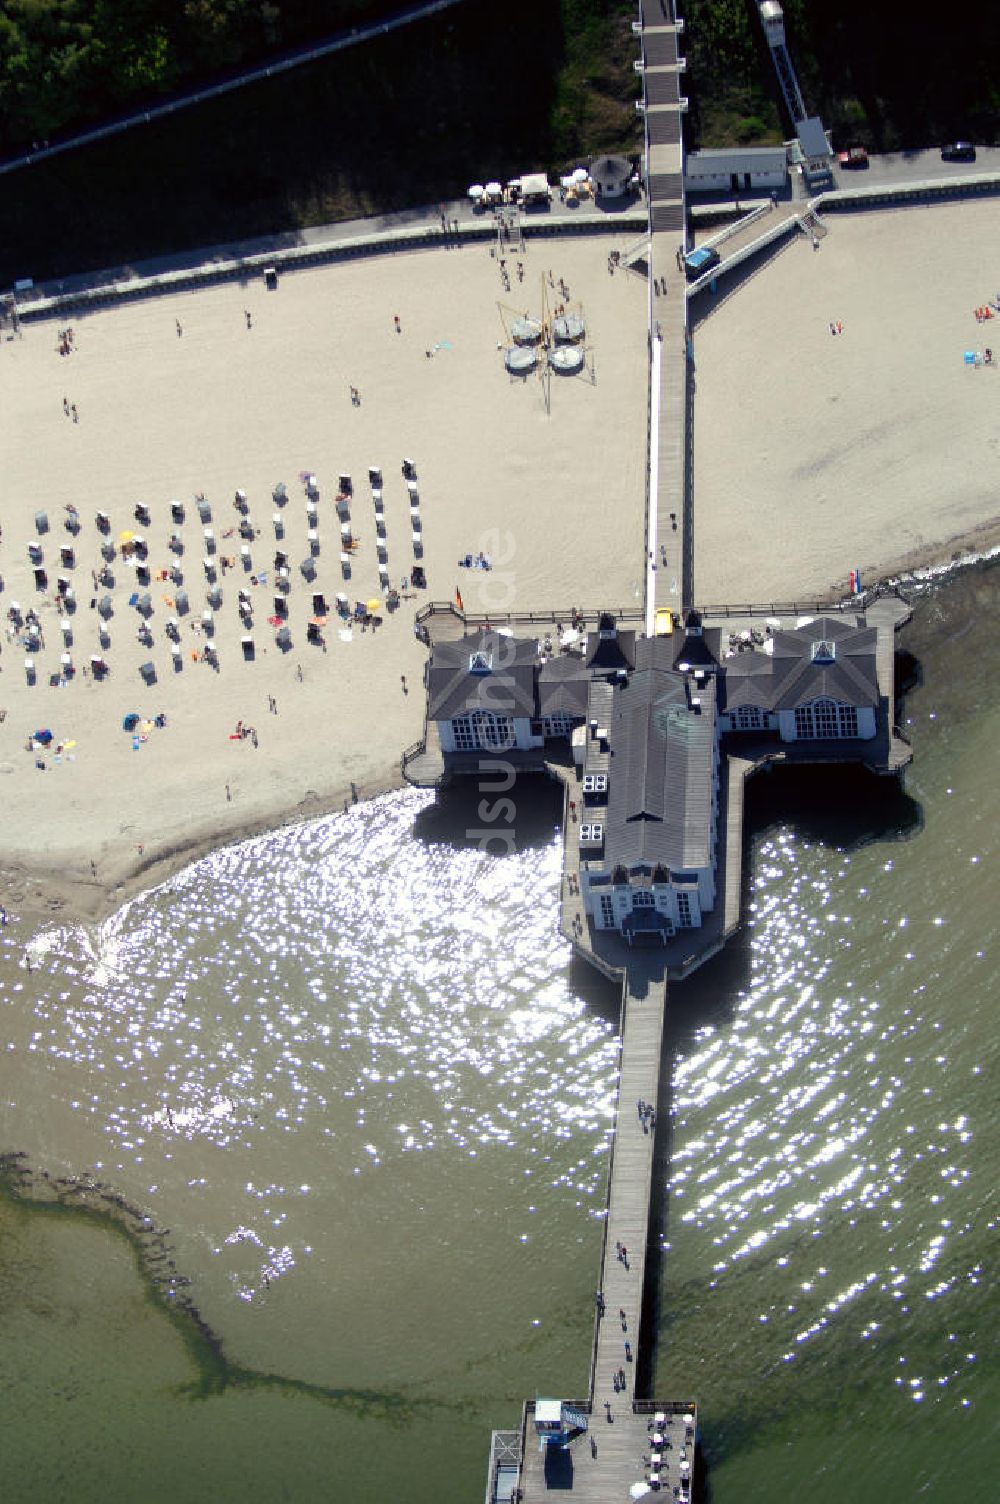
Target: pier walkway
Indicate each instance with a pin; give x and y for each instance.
(614, 1455)
(669, 574)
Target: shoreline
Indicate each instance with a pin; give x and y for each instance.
(34, 893)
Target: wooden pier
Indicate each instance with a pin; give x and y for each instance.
(615, 1453)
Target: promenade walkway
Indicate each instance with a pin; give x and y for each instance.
(669, 570)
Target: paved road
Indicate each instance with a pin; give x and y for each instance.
(915, 166)
(281, 64)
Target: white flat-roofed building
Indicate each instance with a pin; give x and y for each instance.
(736, 170)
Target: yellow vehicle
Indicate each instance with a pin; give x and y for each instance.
(663, 622)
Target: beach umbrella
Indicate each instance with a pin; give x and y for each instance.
(42, 738)
(494, 189)
(374, 604)
(520, 361)
(581, 175)
(126, 537)
(130, 721)
(476, 190)
(525, 331)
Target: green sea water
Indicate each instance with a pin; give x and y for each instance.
(353, 1073)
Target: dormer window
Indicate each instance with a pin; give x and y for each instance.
(824, 651)
(480, 663)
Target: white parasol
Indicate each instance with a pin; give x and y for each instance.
(476, 190)
(581, 175)
(494, 189)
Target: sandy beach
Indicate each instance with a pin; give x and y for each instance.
(219, 406)
(872, 448)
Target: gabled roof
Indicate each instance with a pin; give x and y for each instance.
(611, 652)
(563, 685)
(506, 685)
(660, 792)
(736, 159)
(797, 671)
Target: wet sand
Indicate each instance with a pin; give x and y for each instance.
(222, 406)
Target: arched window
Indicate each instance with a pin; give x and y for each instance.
(825, 720)
(483, 731)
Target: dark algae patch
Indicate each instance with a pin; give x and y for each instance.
(83, 1201)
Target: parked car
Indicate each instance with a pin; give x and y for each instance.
(697, 263)
(958, 151)
(855, 156)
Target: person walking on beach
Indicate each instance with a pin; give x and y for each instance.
(66, 406)
(76, 415)
(177, 325)
(246, 315)
(402, 680)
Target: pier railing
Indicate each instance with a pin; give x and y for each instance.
(508, 618)
(636, 614)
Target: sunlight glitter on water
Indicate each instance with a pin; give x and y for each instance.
(343, 981)
(794, 1125)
